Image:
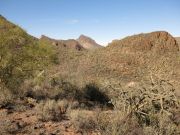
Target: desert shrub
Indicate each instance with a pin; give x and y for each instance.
(117, 123)
(36, 88)
(44, 87)
(7, 127)
(83, 120)
(6, 97)
(68, 91)
(58, 89)
(51, 110)
(161, 124)
(104, 122)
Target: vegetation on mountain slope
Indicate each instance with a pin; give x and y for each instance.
(21, 56)
(122, 62)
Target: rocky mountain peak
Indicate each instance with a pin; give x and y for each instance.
(88, 43)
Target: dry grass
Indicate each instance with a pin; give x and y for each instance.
(51, 110)
(83, 120)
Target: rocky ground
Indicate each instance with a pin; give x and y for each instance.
(24, 121)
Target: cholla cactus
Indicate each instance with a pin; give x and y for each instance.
(154, 97)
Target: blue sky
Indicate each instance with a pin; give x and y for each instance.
(103, 20)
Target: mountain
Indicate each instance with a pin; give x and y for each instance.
(133, 58)
(83, 42)
(70, 43)
(88, 43)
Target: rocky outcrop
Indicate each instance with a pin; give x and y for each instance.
(156, 42)
(88, 43)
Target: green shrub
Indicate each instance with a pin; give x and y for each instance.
(24, 63)
(22, 56)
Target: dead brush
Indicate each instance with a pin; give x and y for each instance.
(145, 99)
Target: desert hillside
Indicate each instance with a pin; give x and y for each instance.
(178, 40)
(129, 59)
(160, 41)
(77, 87)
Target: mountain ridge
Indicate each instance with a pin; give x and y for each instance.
(158, 41)
(83, 42)
(70, 43)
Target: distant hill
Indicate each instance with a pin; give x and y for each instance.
(83, 42)
(88, 43)
(71, 43)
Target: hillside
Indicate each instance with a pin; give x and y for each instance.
(88, 43)
(21, 55)
(178, 40)
(154, 42)
(132, 58)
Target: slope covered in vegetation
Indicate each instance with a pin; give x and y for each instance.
(21, 56)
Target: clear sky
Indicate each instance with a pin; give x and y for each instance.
(103, 20)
